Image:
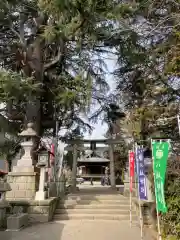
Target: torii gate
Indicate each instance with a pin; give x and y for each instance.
(75, 148)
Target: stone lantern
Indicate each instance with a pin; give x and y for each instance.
(28, 134)
(24, 178)
(43, 157)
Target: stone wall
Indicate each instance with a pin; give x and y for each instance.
(148, 207)
(3, 206)
(148, 212)
(38, 211)
(23, 185)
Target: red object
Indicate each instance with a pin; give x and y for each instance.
(2, 173)
(131, 168)
(52, 154)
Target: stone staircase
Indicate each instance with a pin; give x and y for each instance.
(94, 206)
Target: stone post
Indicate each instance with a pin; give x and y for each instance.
(126, 179)
(24, 179)
(74, 169)
(41, 194)
(4, 187)
(112, 167)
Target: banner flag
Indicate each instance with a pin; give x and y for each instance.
(131, 168)
(142, 185)
(160, 151)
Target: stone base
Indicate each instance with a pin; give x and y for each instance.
(148, 211)
(23, 184)
(120, 189)
(127, 192)
(113, 187)
(3, 206)
(38, 211)
(52, 189)
(16, 222)
(73, 189)
(41, 195)
(24, 169)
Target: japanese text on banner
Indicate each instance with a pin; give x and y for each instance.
(131, 168)
(142, 187)
(160, 156)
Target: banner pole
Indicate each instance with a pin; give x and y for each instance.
(141, 219)
(130, 209)
(157, 212)
(140, 212)
(130, 194)
(158, 224)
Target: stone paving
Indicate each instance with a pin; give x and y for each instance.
(78, 230)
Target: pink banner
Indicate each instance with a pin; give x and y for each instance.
(52, 155)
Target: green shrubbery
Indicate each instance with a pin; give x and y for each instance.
(170, 221)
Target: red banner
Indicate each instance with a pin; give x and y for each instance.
(131, 168)
(52, 155)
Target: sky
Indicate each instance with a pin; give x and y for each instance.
(99, 128)
(98, 132)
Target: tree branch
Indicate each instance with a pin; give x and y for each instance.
(79, 26)
(61, 48)
(56, 60)
(18, 35)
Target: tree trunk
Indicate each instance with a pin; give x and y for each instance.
(33, 108)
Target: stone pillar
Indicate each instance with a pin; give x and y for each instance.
(112, 167)
(24, 178)
(74, 169)
(41, 194)
(126, 180)
(4, 187)
(150, 195)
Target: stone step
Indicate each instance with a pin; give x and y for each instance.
(93, 206)
(93, 217)
(94, 211)
(95, 201)
(96, 197)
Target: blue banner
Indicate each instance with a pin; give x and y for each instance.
(136, 162)
(142, 186)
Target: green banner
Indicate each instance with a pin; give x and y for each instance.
(160, 151)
